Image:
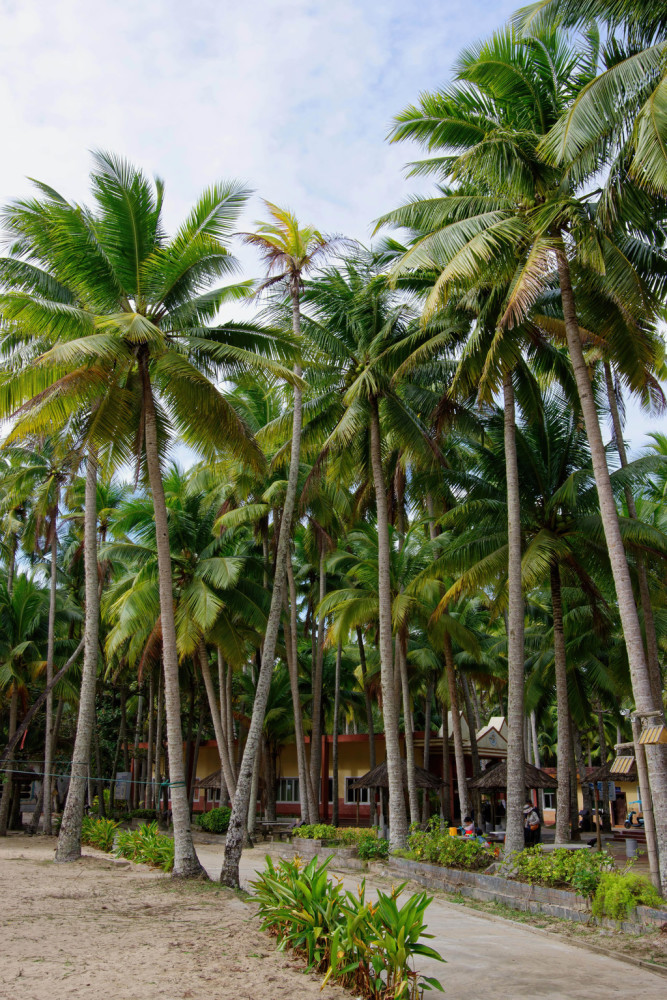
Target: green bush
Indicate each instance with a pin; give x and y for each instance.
(215, 820)
(436, 847)
(372, 848)
(98, 833)
(146, 846)
(346, 836)
(619, 893)
(578, 870)
(143, 814)
(367, 947)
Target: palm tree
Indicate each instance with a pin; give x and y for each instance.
(512, 96)
(69, 835)
(621, 109)
(24, 629)
(126, 311)
(289, 251)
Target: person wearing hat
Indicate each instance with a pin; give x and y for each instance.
(531, 825)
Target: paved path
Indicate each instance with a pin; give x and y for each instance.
(497, 959)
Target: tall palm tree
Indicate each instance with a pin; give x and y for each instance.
(491, 129)
(126, 309)
(24, 629)
(289, 252)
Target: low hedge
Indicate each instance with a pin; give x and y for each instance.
(437, 848)
(215, 820)
(146, 846)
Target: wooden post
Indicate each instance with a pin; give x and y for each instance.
(597, 815)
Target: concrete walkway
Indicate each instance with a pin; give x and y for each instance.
(491, 958)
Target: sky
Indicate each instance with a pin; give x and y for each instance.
(294, 98)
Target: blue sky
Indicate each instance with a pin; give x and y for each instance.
(292, 97)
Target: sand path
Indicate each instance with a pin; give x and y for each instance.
(495, 958)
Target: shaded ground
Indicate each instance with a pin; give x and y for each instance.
(100, 929)
(96, 929)
(488, 956)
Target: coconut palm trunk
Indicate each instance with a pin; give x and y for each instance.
(563, 709)
(306, 797)
(69, 837)
(216, 717)
(316, 730)
(50, 646)
(234, 842)
(413, 795)
(5, 802)
(474, 749)
(515, 642)
(334, 750)
(656, 759)
(398, 826)
(369, 721)
(652, 658)
(428, 702)
(459, 755)
(186, 862)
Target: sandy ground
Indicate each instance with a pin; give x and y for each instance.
(96, 929)
(115, 931)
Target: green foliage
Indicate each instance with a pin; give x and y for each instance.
(579, 870)
(345, 836)
(373, 848)
(215, 820)
(98, 833)
(619, 893)
(368, 947)
(438, 848)
(146, 846)
(150, 814)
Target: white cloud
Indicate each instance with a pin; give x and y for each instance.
(293, 97)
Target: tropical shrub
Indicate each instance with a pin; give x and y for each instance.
(368, 947)
(578, 870)
(347, 836)
(146, 846)
(215, 820)
(143, 814)
(619, 893)
(438, 848)
(373, 848)
(98, 833)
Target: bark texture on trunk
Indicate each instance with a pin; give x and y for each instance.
(48, 722)
(652, 656)
(428, 701)
(334, 749)
(398, 826)
(234, 842)
(459, 755)
(316, 730)
(69, 837)
(369, 721)
(5, 802)
(186, 862)
(563, 710)
(216, 717)
(306, 796)
(515, 644)
(413, 795)
(642, 691)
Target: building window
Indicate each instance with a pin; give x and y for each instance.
(213, 795)
(288, 790)
(195, 796)
(354, 795)
(549, 800)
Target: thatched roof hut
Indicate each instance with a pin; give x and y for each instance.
(213, 780)
(379, 778)
(495, 778)
(604, 773)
